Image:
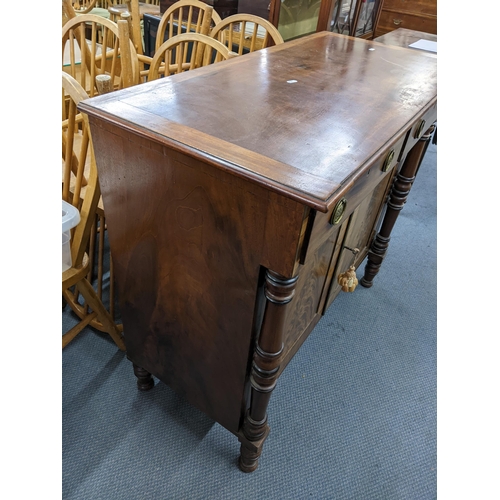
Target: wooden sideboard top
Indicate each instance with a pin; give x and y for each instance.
(403, 37)
(304, 118)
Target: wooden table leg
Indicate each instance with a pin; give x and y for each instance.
(279, 292)
(397, 199)
(144, 379)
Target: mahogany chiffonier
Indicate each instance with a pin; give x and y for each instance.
(237, 193)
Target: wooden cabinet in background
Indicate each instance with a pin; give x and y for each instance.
(419, 15)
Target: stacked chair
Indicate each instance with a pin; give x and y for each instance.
(102, 55)
(80, 188)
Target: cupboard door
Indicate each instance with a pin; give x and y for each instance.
(298, 18)
(355, 17)
(360, 230)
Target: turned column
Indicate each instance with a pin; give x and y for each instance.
(397, 199)
(145, 380)
(268, 352)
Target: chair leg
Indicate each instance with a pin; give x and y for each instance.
(96, 305)
(71, 334)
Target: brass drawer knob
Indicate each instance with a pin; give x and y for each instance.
(338, 211)
(388, 160)
(397, 22)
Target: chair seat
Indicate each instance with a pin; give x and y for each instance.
(74, 274)
(144, 8)
(98, 12)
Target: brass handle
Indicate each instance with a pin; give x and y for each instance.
(338, 211)
(388, 160)
(397, 22)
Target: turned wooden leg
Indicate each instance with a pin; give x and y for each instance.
(145, 381)
(268, 351)
(397, 199)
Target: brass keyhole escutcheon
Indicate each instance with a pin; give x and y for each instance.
(338, 211)
(388, 161)
(420, 129)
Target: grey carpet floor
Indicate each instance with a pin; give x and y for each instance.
(353, 415)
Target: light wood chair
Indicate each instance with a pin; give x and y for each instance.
(133, 14)
(80, 188)
(92, 46)
(97, 7)
(184, 16)
(133, 11)
(100, 263)
(243, 33)
(185, 52)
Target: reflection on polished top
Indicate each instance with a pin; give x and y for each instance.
(319, 107)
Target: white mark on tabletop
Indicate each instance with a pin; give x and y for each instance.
(291, 81)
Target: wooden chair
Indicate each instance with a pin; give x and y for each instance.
(133, 14)
(187, 51)
(184, 16)
(92, 46)
(80, 188)
(97, 7)
(133, 11)
(243, 33)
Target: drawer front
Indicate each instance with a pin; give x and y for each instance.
(392, 20)
(355, 193)
(425, 7)
(359, 233)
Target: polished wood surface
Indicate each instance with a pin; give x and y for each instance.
(278, 154)
(403, 37)
(235, 194)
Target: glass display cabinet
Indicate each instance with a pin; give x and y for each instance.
(296, 18)
(355, 17)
